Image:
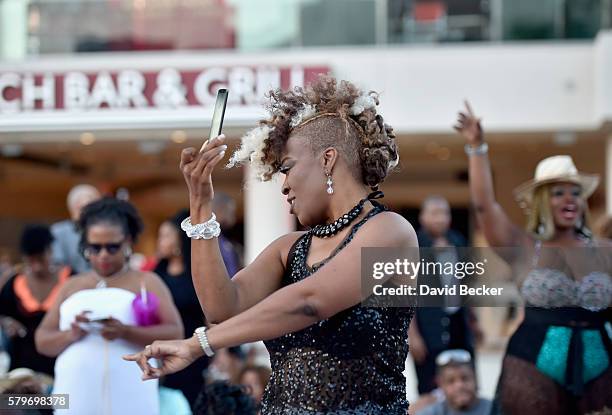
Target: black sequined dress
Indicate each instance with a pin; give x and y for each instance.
(349, 364)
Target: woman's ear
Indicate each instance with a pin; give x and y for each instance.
(330, 156)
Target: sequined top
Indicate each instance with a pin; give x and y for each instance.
(348, 364)
(551, 288)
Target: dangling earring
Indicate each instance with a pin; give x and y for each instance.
(579, 224)
(329, 182)
(541, 226)
(127, 251)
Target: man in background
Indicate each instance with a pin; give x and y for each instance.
(436, 329)
(457, 380)
(65, 248)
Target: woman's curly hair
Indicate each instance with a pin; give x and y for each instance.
(367, 142)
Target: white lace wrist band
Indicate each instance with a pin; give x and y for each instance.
(206, 230)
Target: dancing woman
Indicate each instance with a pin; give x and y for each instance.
(558, 360)
(301, 295)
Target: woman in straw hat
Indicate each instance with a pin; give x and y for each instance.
(302, 294)
(558, 360)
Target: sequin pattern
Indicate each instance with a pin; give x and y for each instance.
(549, 288)
(349, 364)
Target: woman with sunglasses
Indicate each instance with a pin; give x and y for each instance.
(559, 359)
(104, 313)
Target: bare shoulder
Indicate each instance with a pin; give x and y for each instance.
(391, 228)
(76, 283)
(602, 242)
(151, 279)
(285, 242)
(281, 246)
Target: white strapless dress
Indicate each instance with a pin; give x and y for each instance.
(92, 371)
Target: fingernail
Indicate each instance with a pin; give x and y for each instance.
(222, 154)
(223, 147)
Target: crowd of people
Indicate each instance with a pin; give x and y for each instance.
(75, 314)
(73, 306)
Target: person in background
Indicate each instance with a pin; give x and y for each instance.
(66, 244)
(435, 329)
(23, 381)
(227, 365)
(6, 266)
(223, 398)
(255, 379)
(174, 268)
(457, 380)
(102, 314)
(27, 296)
(225, 208)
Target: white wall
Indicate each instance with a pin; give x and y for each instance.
(516, 87)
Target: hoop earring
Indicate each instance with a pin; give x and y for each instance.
(329, 182)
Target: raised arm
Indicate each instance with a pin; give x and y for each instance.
(498, 229)
(221, 297)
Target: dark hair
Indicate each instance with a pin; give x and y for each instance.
(184, 241)
(35, 239)
(222, 398)
(111, 211)
(237, 352)
(367, 143)
(262, 372)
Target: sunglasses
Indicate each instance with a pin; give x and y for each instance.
(453, 356)
(95, 249)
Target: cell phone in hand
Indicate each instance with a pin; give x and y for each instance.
(219, 113)
(100, 320)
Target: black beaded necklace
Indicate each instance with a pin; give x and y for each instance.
(330, 229)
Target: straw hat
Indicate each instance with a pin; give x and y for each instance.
(553, 170)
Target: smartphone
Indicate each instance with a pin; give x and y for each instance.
(100, 320)
(218, 114)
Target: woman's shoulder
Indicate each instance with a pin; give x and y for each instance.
(151, 280)
(602, 242)
(393, 226)
(285, 242)
(78, 282)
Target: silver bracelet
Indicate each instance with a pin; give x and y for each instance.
(200, 333)
(483, 148)
(207, 230)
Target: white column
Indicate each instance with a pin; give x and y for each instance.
(266, 215)
(13, 29)
(496, 19)
(381, 23)
(608, 178)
